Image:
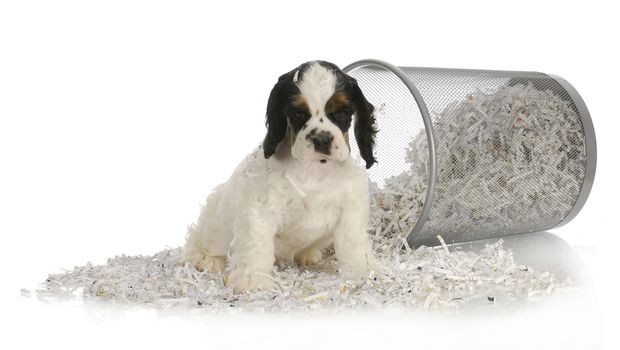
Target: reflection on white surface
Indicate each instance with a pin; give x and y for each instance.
(543, 251)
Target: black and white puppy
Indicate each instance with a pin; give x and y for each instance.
(298, 194)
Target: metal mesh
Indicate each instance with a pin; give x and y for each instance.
(397, 122)
(510, 152)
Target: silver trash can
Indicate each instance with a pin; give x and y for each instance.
(474, 154)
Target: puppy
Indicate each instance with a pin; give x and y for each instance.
(300, 192)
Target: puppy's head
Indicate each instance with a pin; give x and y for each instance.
(312, 107)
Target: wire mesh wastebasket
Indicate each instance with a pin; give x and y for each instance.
(475, 154)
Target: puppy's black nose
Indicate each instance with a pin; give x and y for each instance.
(322, 141)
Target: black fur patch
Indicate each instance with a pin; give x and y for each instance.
(297, 115)
(365, 128)
(276, 120)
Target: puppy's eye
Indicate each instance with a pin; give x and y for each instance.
(299, 115)
(342, 114)
(297, 118)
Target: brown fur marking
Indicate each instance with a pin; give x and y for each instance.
(336, 102)
(300, 101)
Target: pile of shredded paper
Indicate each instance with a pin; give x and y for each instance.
(429, 278)
(424, 278)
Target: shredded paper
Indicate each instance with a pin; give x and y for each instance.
(422, 278)
(509, 161)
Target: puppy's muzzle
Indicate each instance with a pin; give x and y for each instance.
(322, 141)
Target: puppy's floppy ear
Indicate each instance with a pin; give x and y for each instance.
(275, 120)
(365, 128)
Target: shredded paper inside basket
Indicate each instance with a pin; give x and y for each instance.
(426, 278)
(509, 161)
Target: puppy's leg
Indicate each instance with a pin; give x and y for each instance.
(352, 244)
(252, 251)
(207, 241)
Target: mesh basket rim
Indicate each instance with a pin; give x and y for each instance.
(430, 136)
(590, 148)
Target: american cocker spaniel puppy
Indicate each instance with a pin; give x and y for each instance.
(300, 192)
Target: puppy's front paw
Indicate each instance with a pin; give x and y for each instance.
(242, 280)
(358, 269)
(211, 263)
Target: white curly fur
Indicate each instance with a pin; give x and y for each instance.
(289, 207)
(285, 209)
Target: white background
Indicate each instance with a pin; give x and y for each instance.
(118, 117)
